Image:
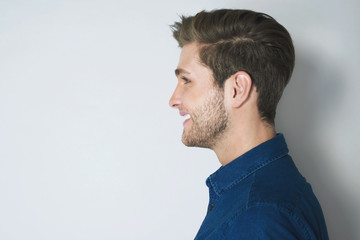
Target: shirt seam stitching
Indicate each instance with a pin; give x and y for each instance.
(255, 169)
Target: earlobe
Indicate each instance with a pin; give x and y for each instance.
(241, 86)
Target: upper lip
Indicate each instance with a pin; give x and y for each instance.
(183, 113)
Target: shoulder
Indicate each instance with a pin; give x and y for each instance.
(277, 206)
(278, 182)
(266, 221)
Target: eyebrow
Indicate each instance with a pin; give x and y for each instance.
(179, 71)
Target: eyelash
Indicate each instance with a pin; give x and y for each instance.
(186, 80)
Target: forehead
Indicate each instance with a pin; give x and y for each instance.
(190, 63)
(190, 53)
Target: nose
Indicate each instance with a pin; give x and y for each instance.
(175, 100)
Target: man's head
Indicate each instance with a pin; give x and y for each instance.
(230, 41)
(199, 100)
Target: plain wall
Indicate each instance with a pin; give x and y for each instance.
(89, 148)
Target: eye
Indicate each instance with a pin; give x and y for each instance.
(186, 80)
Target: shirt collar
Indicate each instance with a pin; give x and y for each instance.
(234, 172)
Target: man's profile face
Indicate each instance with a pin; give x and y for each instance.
(198, 100)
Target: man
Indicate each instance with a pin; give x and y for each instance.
(233, 68)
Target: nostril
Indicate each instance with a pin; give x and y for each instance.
(174, 105)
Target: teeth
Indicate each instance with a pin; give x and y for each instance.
(187, 116)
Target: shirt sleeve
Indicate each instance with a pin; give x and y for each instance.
(265, 223)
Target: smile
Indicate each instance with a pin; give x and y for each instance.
(186, 118)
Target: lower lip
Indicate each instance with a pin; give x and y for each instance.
(187, 120)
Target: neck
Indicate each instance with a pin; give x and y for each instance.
(241, 139)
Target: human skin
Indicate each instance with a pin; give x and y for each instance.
(199, 101)
(243, 128)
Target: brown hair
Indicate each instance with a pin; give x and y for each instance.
(243, 40)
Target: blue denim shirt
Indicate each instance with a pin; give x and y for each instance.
(262, 195)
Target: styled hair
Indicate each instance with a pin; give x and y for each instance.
(242, 40)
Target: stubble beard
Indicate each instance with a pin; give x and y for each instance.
(210, 122)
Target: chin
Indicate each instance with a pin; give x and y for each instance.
(195, 143)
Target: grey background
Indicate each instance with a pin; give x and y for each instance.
(89, 148)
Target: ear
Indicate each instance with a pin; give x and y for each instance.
(241, 83)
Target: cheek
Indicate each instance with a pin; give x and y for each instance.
(228, 97)
(191, 100)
